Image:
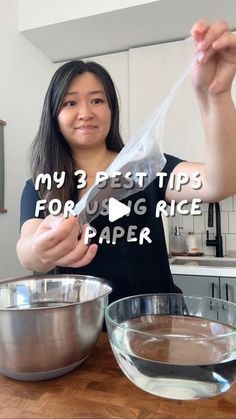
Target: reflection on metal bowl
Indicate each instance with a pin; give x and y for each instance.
(49, 324)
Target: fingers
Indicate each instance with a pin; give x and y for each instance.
(199, 29)
(88, 257)
(61, 248)
(204, 56)
(209, 39)
(50, 222)
(205, 35)
(54, 231)
(56, 241)
(74, 258)
(69, 251)
(57, 238)
(215, 32)
(227, 40)
(72, 252)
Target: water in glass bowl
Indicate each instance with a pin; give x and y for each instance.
(178, 357)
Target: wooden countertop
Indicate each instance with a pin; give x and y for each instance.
(99, 389)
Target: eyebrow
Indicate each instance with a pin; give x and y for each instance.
(93, 92)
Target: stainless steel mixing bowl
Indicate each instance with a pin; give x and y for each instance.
(49, 324)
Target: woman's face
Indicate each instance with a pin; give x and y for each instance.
(85, 117)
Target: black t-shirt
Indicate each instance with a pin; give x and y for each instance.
(131, 268)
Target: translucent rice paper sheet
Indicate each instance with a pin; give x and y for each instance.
(142, 153)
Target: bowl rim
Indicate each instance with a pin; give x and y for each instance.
(89, 278)
(197, 297)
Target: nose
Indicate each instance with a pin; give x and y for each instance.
(84, 112)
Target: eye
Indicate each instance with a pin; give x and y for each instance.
(70, 103)
(97, 100)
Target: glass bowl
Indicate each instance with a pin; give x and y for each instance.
(175, 346)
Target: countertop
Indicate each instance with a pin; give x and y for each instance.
(99, 389)
(191, 269)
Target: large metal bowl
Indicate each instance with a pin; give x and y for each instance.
(49, 324)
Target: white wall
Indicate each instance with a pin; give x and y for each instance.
(24, 76)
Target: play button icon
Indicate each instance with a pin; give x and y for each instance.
(116, 209)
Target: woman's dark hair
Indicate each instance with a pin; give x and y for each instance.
(50, 152)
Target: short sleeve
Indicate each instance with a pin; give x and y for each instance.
(29, 198)
(171, 163)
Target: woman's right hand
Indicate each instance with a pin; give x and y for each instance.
(56, 242)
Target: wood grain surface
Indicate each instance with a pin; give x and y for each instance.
(99, 389)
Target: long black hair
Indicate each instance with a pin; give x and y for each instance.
(50, 152)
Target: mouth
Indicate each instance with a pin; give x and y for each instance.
(86, 128)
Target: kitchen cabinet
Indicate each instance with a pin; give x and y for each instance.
(198, 285)
(228, 289)
(153, 70)
(144, 77)
(211, 286)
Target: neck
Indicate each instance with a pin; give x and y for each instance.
(93, 161)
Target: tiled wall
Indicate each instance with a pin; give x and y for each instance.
(198, 224)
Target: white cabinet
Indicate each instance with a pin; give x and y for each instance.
(144, 77)
(211, 286)
(153, 70)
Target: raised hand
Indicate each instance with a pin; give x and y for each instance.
(216, 51)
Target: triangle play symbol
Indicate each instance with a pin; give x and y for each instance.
(116, 209)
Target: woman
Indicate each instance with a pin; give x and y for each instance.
(80, 130)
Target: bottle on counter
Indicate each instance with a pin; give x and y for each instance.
(192, 246)
(178, 246)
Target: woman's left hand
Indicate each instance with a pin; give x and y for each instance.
(216, 51)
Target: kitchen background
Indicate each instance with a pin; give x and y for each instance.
(199, 225)
(141, 44)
